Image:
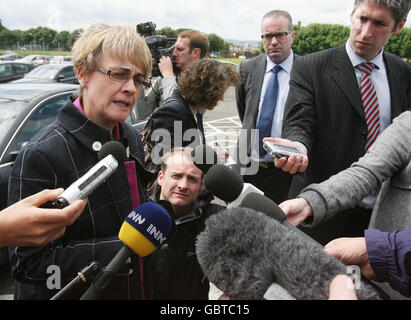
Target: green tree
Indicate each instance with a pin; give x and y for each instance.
(9, 38)
(74, 35)
(168, 32)
(45, 36)
(216, 44)
(28, 36)
(1, 26)
(62, 41)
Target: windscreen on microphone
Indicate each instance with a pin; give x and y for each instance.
(223, 182)
(146, 228)
(204, 157)
(261, 203)
(116, 149)
(243, 252)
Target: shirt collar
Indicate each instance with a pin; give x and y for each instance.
(286, 65)
(356, 59)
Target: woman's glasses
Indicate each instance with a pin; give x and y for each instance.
(123, 76)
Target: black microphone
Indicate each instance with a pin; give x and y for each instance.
(228, 185)
(261, 203)
(111, 155)
(204, 157)
(243, 252)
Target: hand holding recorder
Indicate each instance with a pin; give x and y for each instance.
(289, 156)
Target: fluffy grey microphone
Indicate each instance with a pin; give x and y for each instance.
(243, 252)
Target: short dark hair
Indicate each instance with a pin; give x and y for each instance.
(186, 151)
(280, 13)
(197, 40)
(399, 8)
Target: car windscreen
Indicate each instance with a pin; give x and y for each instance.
(48, 72)
(9, 112)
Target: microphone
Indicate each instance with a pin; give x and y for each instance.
(243, 252)
(144, 230)
(204, 157)
(228, 185)
(267, 206)
(111, 155)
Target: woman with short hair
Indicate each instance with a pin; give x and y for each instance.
(112, 64)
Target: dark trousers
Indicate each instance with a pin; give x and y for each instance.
(272, 181)
(349, 223)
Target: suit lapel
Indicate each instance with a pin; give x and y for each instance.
(396, 85)
(257, 79)
(344, 75)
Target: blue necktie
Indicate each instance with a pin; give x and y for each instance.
(265, 121)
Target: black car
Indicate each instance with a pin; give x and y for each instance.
(11, 70)
(62, 73)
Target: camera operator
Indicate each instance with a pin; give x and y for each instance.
(191, 46)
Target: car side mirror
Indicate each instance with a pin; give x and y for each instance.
(61, 77)
(11, 156)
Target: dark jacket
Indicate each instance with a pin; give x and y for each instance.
(176, 118)
(56, 157)
(174, 273)
(324, 109)
(390, 258)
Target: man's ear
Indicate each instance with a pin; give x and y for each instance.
(196, 52)
(399, 27)
(160, 178)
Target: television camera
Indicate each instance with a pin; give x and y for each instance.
(159, 45)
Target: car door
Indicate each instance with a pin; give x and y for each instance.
(6, 72)
(42, 115)
(20, 70)
(67, 75)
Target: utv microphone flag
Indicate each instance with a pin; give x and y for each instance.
(146, 228)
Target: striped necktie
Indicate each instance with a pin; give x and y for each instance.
(370, 102)
(265, 121)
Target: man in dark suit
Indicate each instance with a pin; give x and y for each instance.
(328, 114)
(261, 100)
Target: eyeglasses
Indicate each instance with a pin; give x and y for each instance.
(278, 35)
(123, 76)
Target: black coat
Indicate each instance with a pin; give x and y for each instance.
(174, 273)
(56, 157)
(324, 109)
(176, 118)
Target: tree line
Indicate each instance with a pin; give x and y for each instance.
(316, 37)
(309, 39)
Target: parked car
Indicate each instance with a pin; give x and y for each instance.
(10, 56)
(61, 59)
(24, 110)
(35, 59)
(63, 73)
(12, 70)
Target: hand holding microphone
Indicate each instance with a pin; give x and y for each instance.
(111, 155)
(297, 210)
(265, 205)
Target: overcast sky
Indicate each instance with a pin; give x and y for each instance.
(230, 19)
